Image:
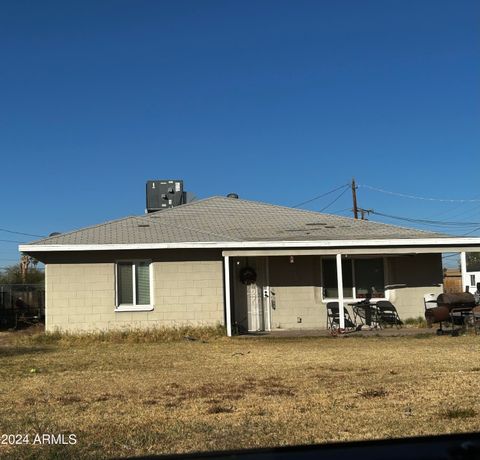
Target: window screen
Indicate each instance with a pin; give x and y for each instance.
(369, 279)
(330, 286)
(367, 282)
(143, 283)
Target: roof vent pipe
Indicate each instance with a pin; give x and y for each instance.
(232, 195)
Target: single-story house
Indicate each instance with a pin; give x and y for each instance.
(248, 265)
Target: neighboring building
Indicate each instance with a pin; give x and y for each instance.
(249, 265)
(470, 267)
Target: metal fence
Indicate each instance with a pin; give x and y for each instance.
(21, 304)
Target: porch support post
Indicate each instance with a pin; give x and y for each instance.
(463, 267)
(267, 300)
(228, 312)
(340, 291)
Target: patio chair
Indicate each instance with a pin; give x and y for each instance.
(333, 318)
(365, 313)
(387, 314)
(430, 301)
(472, 320)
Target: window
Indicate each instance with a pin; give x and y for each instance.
(329, 270)
(473, 261)
(133, 286)
(362, 278)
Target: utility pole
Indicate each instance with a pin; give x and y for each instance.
(364, 211)
(354, 196)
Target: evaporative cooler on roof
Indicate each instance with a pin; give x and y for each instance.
(162, 194)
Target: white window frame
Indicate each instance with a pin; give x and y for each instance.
(134, 306)
(354, 287)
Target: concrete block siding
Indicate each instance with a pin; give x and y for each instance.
(80, 297)
(295, 285)
(188, 289)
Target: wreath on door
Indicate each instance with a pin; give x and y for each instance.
(248, 275)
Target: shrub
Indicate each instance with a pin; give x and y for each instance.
(419, 321)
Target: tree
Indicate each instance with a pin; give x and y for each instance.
(14, 274)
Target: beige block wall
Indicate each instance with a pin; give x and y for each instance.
(80, 297)
(297, 288)
(412, 278)
(298, 291)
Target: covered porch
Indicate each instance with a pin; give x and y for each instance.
(275, 290)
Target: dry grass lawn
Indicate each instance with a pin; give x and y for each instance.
(125, 399)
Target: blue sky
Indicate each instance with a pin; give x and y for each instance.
(278, 101)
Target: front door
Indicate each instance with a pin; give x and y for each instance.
(251, 299)
(256, 318)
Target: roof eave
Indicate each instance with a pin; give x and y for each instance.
(474, 243)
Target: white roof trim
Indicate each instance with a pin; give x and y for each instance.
(405, 250)
(400, 242)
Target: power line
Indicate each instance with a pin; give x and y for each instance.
(470, 211)
(338, 197)
(415, 197)
(320, 196)
(448, 211)
(456, 207)
(20, 233)
(12, 241)
(341, 210)
(437, 223)
(472, 231)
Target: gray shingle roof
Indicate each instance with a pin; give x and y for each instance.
(221, 219)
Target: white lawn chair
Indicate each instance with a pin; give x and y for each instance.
(430, 301)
